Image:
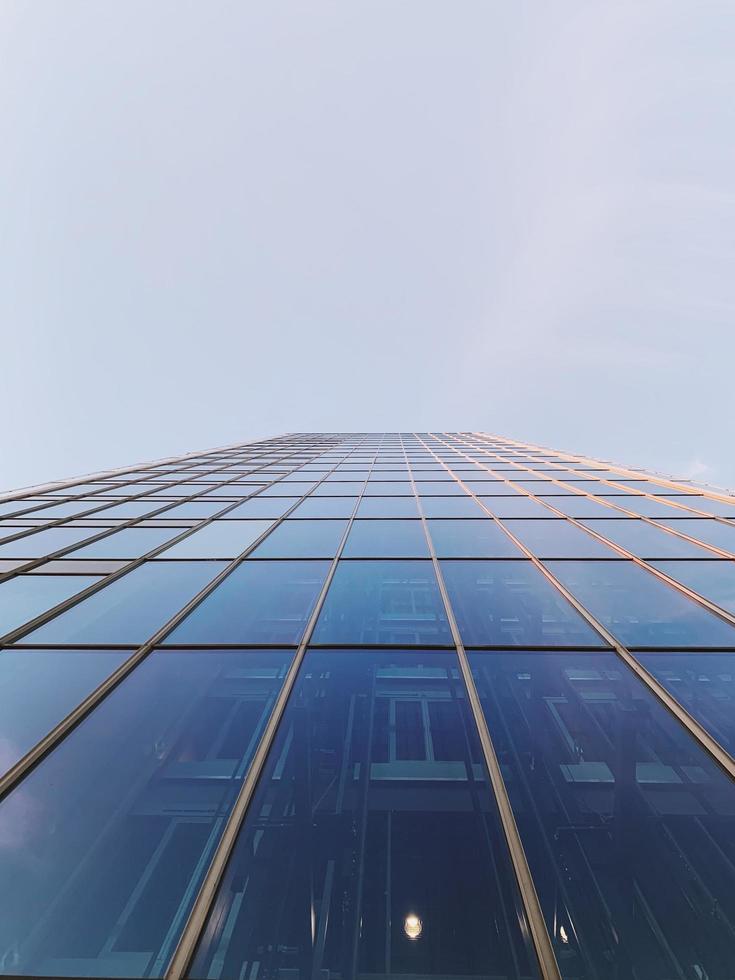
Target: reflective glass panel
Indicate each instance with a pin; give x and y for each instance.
(517, 507)
(259, 602)
(488, 489)
(628, 826)
(510, 602)
(386, 488)
(220, 539)
(439, 488)
(325, 507)
(715, 580)
(45, 542)
(130, 609)
(647, 541)
(262, 507)
(579, 507)
(386, 539)
(103, 889)
(372, 847)
(638, 608)
(471, 539)
(302, 539)
(705, 529)
(383, 602)
(38, 688)
(451, 507)
(26, 596)
(388, 507)
(708, 505)
(132, 542)
(559, 539)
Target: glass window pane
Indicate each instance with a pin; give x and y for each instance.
(132, 542)
(38, 689)
(451, 507)
(471, 539)
(45, 542)
(130, 609)
(198, 509)
(627, 824)
(705, 529)
(707, 504)
(103, 889)
(384, 488)
(715, 580)
(645, 506)
(510, 602)
(517, 507)
(579, 507)
(377, 762)
(486, 488)
(302, 539)
(262, 507)
(334, 507)
(26, 596)
(559, 539)
(638, 608)
(645, 540)
(259, 602)
(386, 539)
(388, 507)
(220, 539)
(371, 602)
(440, 488)
(287, 490)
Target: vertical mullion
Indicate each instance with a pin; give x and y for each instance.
(548, 967)
(207, 893)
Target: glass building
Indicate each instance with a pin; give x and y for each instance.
(335, 706)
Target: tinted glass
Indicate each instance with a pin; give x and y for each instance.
(259, 602)
(387, 488)
(302, 539)
(451, 507)
(647, 541)
(38, 688)
(128, 543)
(220, 539)
(262, 507)
(708, 505)
(103, 889)
(559, 539)
(386, 539)
(710, 531)
(510, 602)
(44, 542)
(579, 507)
(388, 507)
(131, 609)
(638, 608)
(471, 539)
(26, 596)
(383, 602)
(334, 507)
(628, 826)
(373, 807)
(715, 580)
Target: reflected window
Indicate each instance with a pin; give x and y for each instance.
(640, 609)
(628, 825)
(375, 602)
(130, 609)
(374, 835)
(103, 889)
(715, 580)
(259, 602)
(302, 539)
(386, 539)
(472, 539)
(26, 596)
(510, 602)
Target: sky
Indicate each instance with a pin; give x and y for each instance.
(225, 221)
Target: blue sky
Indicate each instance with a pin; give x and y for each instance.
(222, 221)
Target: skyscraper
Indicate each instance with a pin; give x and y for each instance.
(331, 706)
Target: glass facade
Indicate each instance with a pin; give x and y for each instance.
(333, 706)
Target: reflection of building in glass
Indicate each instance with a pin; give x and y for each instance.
(335, 706)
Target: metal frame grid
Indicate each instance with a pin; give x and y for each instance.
(450, 460)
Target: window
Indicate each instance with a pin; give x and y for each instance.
(44, 542)
(715, 580)
(645, 540)
(220, 539)
(560, 539)
(471, 539)
(302, 539)
(26, 596)
(270, 508)
(386, 539)
(131, 542)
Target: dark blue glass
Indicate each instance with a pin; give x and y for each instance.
(498, 603)
(259, 602)
(26, 596)
(104, 844)
(645, 540)
(220, 539)
(130, 609)
(38, 688)
(628, 825)
(133, 542)
(302, 539)
(44, 542)
(386, 539)
(704, 683)
(391, 601)
(373, 808)
(559, 539)
(388, 507)
(638, 608)
(715, 580)
(471, 539)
